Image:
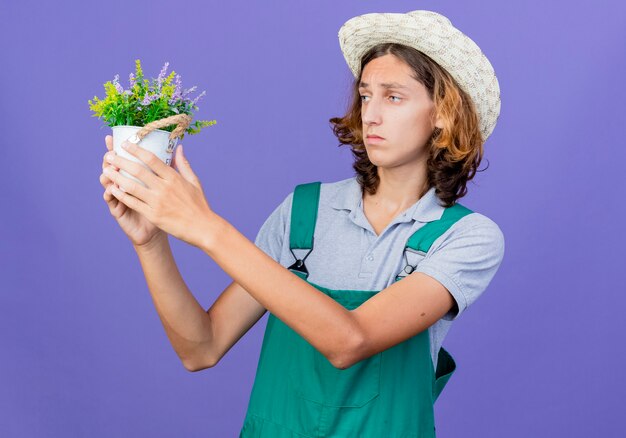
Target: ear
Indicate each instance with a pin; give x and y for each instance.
(438, 121)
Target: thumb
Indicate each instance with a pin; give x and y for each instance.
(183, 166)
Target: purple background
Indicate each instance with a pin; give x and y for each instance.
(539, 355)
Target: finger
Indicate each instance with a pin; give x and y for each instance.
(183, 166)
(116, 208)
(128, 185)
(108, 197)
(108, 140)
(135, 169)
(105, 181)
(105, 161)
(132, 202)
(152, 161)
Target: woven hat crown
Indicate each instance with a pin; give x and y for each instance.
(434, 35)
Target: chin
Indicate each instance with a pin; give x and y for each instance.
(378, 160)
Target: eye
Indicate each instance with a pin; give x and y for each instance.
(393, 97)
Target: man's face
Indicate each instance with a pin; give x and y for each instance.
(400, 113)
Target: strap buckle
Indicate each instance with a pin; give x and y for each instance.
(299, 263)
(408, 268)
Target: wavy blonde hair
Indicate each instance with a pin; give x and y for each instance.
(454, 152)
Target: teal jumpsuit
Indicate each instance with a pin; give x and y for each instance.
(297, 392)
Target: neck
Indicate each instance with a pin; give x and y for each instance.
(397, 190)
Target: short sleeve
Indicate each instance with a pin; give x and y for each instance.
(271, 234)
(465, 261)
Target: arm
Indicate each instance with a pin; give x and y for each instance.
(176, 204)
(324, 323)
(199, 338)
(453, 275)
(395, 314)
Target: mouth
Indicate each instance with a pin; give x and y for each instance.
(374, 137)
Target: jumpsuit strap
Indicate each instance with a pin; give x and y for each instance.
(303, 218)
(419, 243)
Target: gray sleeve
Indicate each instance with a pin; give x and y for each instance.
(271, 234)
(465, 261)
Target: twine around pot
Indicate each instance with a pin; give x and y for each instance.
(182, 122)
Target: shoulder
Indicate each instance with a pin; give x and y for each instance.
(465, 258)
(476, 220)
(473, 233)
(334, 187)
(332, 193)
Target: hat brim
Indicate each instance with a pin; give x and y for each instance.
(434, 35)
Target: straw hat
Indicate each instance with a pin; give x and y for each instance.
(434, 35)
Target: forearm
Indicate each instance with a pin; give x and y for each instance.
(186, 323)
(318, 318)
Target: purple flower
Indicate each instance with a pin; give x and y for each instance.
(190, 90)
(176, 95)
(131, 78)
(148, 99)
(116, 82)
(161, 77)
(193, 102)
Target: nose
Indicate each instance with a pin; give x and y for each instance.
(371, 112)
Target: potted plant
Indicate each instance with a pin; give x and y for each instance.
(136, 113)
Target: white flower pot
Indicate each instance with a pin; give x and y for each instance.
(157, 142)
